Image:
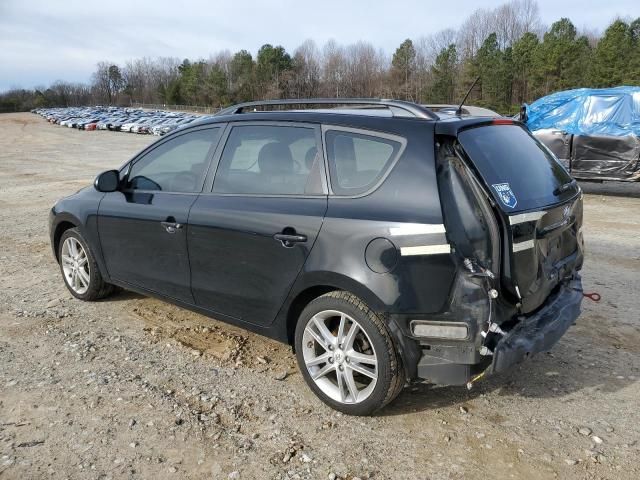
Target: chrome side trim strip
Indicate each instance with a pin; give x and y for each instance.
(518, 247)
(526, 217)
(417, 229)
(425, 250)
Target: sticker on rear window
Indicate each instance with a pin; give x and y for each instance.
(506, 194)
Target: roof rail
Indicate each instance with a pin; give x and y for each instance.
(398, 108)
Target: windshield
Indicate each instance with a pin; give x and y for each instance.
(520, 172)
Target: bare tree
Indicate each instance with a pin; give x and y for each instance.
(306, 79)
(475, 29)
(365, 69)
(508, 21)
(108, 81)
(334, 69)
(529, 14)
(100, 82)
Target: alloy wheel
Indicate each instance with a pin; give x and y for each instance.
(75, 265)
(340, 357)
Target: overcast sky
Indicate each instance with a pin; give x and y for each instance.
(45, 40)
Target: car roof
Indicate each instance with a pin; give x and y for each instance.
(363, 120)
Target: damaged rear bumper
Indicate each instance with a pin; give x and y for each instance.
(540, 331)
(458, 363)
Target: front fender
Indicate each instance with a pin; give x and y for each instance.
(81, 211)
(57, 218)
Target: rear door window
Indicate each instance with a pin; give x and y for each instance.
(519, 170)
(358, 161)
(270, 160)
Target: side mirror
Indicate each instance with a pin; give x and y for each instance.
(108, 181)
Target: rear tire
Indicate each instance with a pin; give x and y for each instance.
(347, 355)
(79, 269)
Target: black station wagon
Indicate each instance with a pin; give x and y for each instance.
(385, 242)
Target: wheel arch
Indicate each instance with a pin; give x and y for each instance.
(62, 226)
(316, 285)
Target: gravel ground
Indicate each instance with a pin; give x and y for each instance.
(131, 387)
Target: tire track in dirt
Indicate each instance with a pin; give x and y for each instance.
(204, 336)
(163, 322)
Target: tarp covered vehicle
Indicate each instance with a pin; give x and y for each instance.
(594, 132)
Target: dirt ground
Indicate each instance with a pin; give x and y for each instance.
(132, 387)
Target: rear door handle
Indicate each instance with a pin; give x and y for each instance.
(289, 240)
(171, 227)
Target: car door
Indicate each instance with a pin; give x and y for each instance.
(250, 236)
(142, 226)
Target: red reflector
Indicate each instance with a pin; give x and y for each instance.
(502, 121)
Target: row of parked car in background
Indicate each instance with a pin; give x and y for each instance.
(118, 119)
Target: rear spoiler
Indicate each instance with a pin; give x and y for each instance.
(452, 127)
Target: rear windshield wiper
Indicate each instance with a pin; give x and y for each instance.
(564, 187)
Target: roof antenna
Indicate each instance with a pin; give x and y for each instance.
(459, 109)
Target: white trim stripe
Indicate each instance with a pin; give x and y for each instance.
(526, 217)
(417, 229)
(518, 247)
(425, 250)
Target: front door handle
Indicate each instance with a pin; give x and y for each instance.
(171, 227)
(289, 240)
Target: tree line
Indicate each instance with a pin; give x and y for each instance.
(516, 58)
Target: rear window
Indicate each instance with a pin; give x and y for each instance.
(521, 173)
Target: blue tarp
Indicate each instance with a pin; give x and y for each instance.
(588, 111)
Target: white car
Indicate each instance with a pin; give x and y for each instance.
(128, 126)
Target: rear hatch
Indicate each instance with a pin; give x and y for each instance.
(537, 203)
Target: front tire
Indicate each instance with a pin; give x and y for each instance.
(79, 268)
(346, 354)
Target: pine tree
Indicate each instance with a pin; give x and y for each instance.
(560, 59)
(403, 67)
(242, 80)
(612, 56)
(443, 74)
(633, 71)
(272, 62)
(523, 65)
